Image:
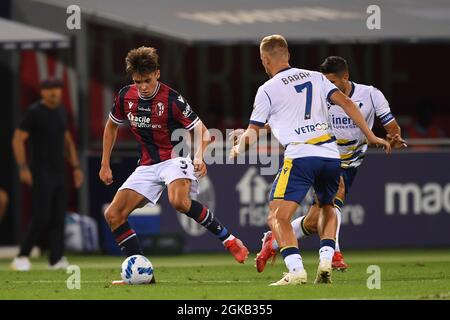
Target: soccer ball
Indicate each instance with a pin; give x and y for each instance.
(137, 269)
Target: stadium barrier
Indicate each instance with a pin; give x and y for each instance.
(397, 200)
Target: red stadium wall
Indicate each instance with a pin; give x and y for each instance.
(220, 82)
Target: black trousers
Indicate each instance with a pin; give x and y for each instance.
(48, 196)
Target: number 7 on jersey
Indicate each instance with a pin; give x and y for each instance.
(299, 88)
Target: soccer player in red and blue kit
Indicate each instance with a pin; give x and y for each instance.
(153, 112)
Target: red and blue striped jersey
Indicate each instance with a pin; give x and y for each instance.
(152, 120)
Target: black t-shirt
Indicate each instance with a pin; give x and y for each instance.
(46, 128)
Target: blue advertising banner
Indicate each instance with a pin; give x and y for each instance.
(400, 200)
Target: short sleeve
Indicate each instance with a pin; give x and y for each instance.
(117, 115)
(184, 114)
(28, 121)
(381, 106)
(261, 108)
(328, 88)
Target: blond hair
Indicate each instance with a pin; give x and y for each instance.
(274, 45)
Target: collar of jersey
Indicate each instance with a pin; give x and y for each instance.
(353, 89)
(282, 70)
(152, 95)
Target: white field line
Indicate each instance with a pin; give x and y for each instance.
(109, 282)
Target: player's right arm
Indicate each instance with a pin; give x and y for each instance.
(109, 139)
(258, 121)
(21, 135)
(18, 144)
(337, 97)
(236, 134)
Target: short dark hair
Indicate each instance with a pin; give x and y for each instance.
(334, 64)
(51, 83)
(142, 60)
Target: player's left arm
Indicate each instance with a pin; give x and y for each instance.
(387, 119)
(202, 139)
(72, 157)
(394, 135)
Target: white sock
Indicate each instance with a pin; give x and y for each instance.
(230, 237)
(339, 218)
(294, 263)
(326, 253)
(297, 226)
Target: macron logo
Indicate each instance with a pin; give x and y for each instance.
(130, 104)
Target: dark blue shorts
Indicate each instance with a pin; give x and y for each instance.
(297, 176)
(348, 174)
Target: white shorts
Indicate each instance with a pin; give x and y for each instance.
(150, 181)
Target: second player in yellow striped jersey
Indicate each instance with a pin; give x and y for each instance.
(352, 143)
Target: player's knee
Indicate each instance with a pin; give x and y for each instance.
(180, 203)
(310, 225)
(271, 219)
(276, 218)
(114, 216)
(340, 195)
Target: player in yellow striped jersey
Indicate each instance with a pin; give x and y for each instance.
(293, 102)
(352, 145)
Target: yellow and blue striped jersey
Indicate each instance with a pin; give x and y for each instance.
(352, 143)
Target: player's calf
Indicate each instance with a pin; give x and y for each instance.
(126, 237)
(205, 217)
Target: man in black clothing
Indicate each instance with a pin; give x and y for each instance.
(45, 126)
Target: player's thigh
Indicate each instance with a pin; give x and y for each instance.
(145, 182)
(179, 189)
(178, 175)
(327, 181)
(125, 201)
(293, 181)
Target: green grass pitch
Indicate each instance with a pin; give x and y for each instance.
(405, 274)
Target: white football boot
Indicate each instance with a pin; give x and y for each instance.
(291, 279)
(61, 264)
(324, 271)
(21, 264)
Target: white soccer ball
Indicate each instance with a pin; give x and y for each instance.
(137, 269)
